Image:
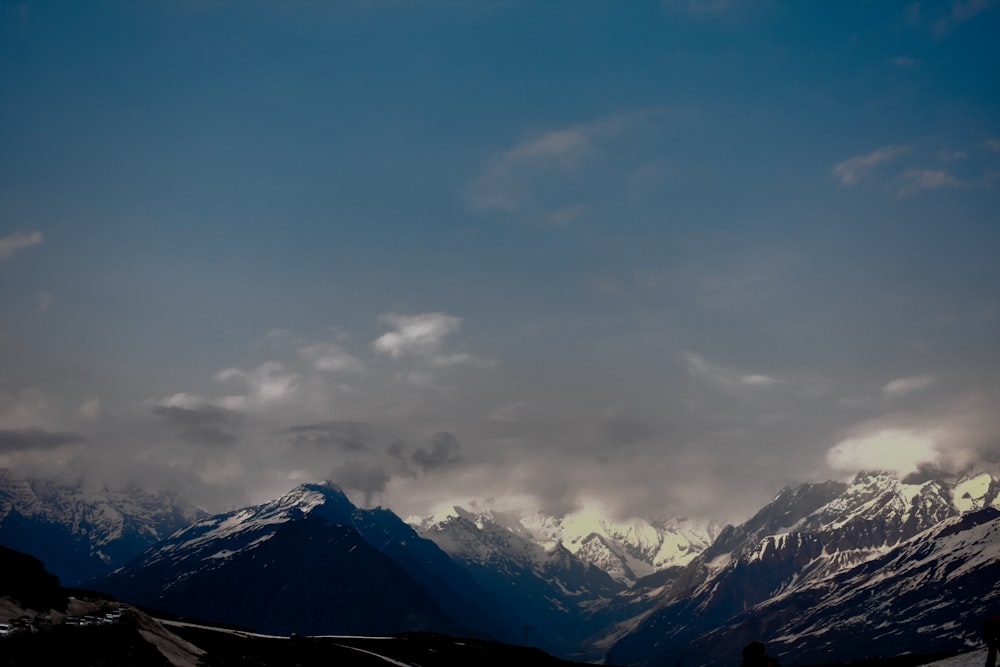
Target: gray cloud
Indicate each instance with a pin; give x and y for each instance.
(343, 434)
(203, 425)
(367, 479)
(444, 450)
(34, 438)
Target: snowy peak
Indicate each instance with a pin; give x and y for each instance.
(248, 528)
(626, 549)
(878, 511)
(976, 491)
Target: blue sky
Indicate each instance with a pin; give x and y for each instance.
(667, 255)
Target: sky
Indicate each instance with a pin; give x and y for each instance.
(667, 257)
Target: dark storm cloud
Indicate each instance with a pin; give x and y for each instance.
(26, 439)
(344, 434)
(443, 450)
(206, 425)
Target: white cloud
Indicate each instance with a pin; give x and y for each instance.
(898, 450)
(562, 145)
(759, 380)
(330, 357)
(269, 382)
(700, 367)
(417, 335)
(852, 170)
(915, 180)
(903, 386)
(12, 243)
(508, 180)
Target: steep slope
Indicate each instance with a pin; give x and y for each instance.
(804, 536)
(311, 562)
(927, 595)
(80, 533)
(299, 575)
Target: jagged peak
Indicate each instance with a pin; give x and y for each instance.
(865, 477)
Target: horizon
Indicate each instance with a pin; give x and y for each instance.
(669, 257)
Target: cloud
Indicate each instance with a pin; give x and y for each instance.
(368, 479)
(12, 243)
(510, 179)
(951, 437)
(420, 336)
(90, 408)
(330, 357)
(342, 434)
(952, 156)
(444, 450)
(34, 438)
(903, 386)
(905, 61)
(203, 425)
(902, 451)
(270, 382)
(851, 171)
(912, 181)
(993, 145)
(724, 378)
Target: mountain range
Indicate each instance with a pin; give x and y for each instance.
(84, 531)
(824, 573)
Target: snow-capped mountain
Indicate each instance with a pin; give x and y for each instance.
(309, 562)
(626, 549)
(803, 538)
(80, 532)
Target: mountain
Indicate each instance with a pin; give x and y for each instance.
(79, 532)
(310, 563)
(806, 537)
(552, 590)
(627, 550)
(928, 594)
